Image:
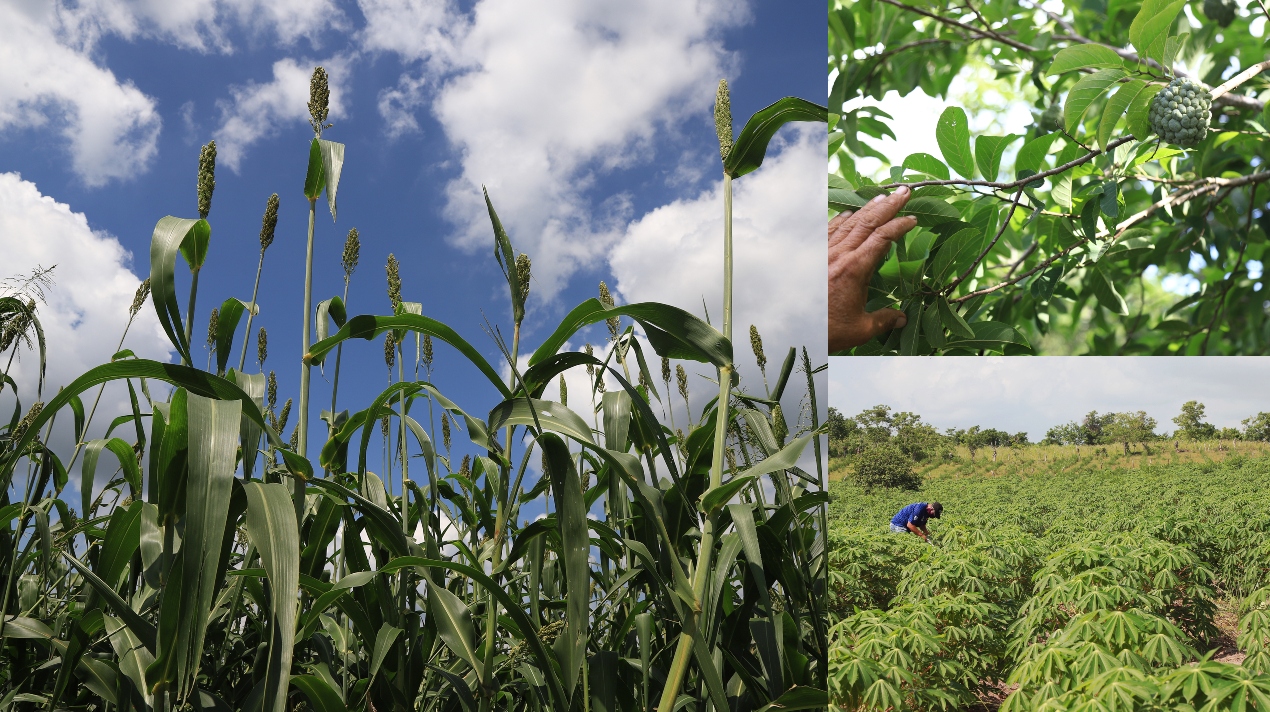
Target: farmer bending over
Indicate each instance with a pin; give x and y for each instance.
(913, 518)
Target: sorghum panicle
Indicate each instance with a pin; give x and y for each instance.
(269, 222)
(206, 178)
(723, 119)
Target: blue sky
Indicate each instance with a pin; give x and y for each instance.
(590, 124)
(1034, 394)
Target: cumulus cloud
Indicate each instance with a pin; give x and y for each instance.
(540, 99)
(201, 25)
(257, 110)
(674, 254)
(111, 126)
(86, 309)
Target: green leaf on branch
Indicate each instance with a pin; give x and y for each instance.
(1104, 291)
(1032, 155)
(1084, 56)
(1116, 106)
(954, 321)
(990, 335)
(1150, 28)
(1139, 122)
(953, 135)
(988, 152)
(930, 211)
(928, 164)
(1089, 88)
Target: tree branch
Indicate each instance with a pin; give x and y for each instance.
(1014, 205)
(1203, 187)
(1240, 78)
(1022, 181)
(974, 30)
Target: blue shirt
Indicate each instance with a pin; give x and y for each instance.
(915, 513)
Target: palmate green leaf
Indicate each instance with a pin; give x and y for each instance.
(1117, 104)
(750, 146)
(953, 135)
(272, 526)
(988, 152)
(1089, 88)
(1084, 56)
(171, 235)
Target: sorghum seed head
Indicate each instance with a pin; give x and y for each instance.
(682, 377)
(394, 281)
(139, 298)
(212, 325)
(295, 438)
(606, 298)
(383, 426)
(282, 417)
(319, 99)
(262, 347)
(25, 423)
(465, 467)
(272, 390)
(445, 431)
(590, 367)
(723, 119)
(206, 178)
(269, 222)
(756, 343)
(665, 369)
(427, 351)
(390, 349)
(564, 392)
(523, 264)
(780, 429)
(352, 250)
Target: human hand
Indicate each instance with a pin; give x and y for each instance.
(858, 243)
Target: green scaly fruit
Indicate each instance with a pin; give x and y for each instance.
(1052, 119)
(1221, 11)
(1181, 112)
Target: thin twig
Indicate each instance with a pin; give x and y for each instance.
(1014, 205)
(1022, 181)
(1234, 274)
(1205, 186)
(953, 23)
(1023, 258)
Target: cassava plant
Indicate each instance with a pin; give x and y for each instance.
(210, 564)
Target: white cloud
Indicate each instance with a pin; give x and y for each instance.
(1034, 394)
(543, 98)
(201, 25)
(111, 126)
(87, 307)
(674, 254)
(256, 111)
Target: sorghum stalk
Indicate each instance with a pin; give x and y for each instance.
(319, 96)
(267, 225)
(206, 184)
(679, 666)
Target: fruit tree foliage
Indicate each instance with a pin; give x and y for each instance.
(1124, 241)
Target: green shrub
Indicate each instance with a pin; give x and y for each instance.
(885, 465)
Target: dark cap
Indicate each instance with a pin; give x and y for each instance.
(936, 509)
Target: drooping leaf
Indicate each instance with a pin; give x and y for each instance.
(1089, 88)
(1116, 106)
(988, 152)
(953, 135)
(1084, 56)
(750, 146)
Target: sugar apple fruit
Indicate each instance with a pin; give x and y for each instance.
(1052, 119)
(1180, 113)
(1220, 11)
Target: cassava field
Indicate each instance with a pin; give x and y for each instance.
(1058, 581)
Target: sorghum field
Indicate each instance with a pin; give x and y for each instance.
(210, 564)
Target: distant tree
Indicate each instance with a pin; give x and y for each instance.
(840, 430)
(1093, 426)
(1129, 428)
(1190, 422)
(885, 465)
(1230, 434)
(1072, 433)
(1257, 428)
(880, 425)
